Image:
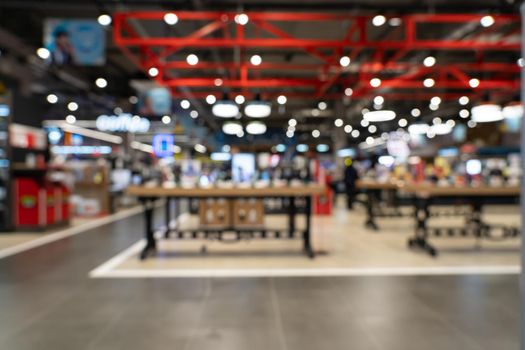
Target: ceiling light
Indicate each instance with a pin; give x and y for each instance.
(301, 147)
(471, 124)
(171, 18)
(355, 133)
(256, 128)
(429, 82)
(231, 128)
(166, 119)
(43, 53)
(344, 61)
(338, 122)
(349, 92)
(72, 106)
(117, 110)
(239, 99)
(292, 122)
(365, 111)
(418, 129)
(513, 111)
(473, 83)
(192, 59)
(375, 82)
(521, 62)
(194, 114)
(433, 107)
(315, 112)
(395, 21)
(402, 122)
(71, 119)
(440, 129)
(321, 148)
(153, 72)
(281, 100)
(316, 133)
(104, 20)
(379, 100)
(436, 120)
(464, 113)
(431, 134)
(241, 19)
(225, 109)
(210, 99)
(240, 134)
(451, 123)
(322, 106)
(415, 112)
(369, 140)
(385, 136)
(486, 113)
(200, 148)
(218, 82)
(101, 83)
(280, 148)
(133, 100)
(372, 129)
(429, 61)
(464, 100)
(487, 21)
(258, 109)
(379, 116)
(289, 134)
(52, 98)
(185, 104)
(348, 129)
(435, 100)
(256, 60)
(364, 123)
(378, 20)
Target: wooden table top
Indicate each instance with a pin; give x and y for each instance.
(455, 191)
(288, 191)
(376, 185)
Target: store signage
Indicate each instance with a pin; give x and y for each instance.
(163, 145)
(122, 123)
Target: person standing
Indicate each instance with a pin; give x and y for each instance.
(351, 177)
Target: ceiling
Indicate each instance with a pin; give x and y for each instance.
(306, 75)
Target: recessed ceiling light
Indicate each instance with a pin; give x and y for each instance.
(192, 59)
(436, 120)
(464, 113)
(166, 119)
(365, 123)
(348, 129)
(464, 100)
(433, 107)
(429, 82)
(52, 98)
(429, 61)
(355, 133)
(487, 21)
(436, 100)
(133, 100)
(316, 133)
(349, 92)
(281, 99)
(289, 134)
(256, 60)
(402, 122)
(473, 83)
(101, 83)
(218, 82)
(338, 122)
(241, 19)
(171, 18)
(379, 100)
(153, 72)
(72, 106)
(395, 21)
(415, 112)
(344, 61)
(104, 20)
(521, 62)
(378, 20)
(322, 105)
(211, 99)
(194, 114)
(71, 119)
(471, 124)
(375, 82)
(239, 99)
(43, 53)
(315, 112)
(185, 104)
(292, 122)
(372, 129)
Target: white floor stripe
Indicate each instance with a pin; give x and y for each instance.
(68, 232)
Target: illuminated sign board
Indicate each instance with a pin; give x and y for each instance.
(163, 145)
(122, 123)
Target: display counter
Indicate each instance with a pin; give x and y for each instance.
(230, 197)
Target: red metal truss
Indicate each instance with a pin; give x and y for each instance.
(219, 30)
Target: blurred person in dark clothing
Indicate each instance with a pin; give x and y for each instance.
(351, 177)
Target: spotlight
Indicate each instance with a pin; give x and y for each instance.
(316, 133)
(375, 82)
(210, 99)
(474, 83)
(241, 19)
(52, 98)
(71, 119)
(43, 53)
(72, 106)
(185, 104)
(344, 61)
(487, 21)
(349, 92)
(104, 20)
(171, 18)
(166, 119)
(239, 99)
(415, 112)
(338, 122)
(256, 60)
(153, 72)
(429, 82)
(429, 61)
(464, 100)
(194, 114)
(192, 59)
(281, 100)
(378, 20)
(322, 106)
(101, 83)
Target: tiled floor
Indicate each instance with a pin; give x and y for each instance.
(48, 302)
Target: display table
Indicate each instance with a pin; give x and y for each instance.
(147, 195)
(372, 189)
(476, 197)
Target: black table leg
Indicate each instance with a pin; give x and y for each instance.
(167, 217)
(151, 244)
(420, 239)
(370, 217)
(307, 233)
(291, 216)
